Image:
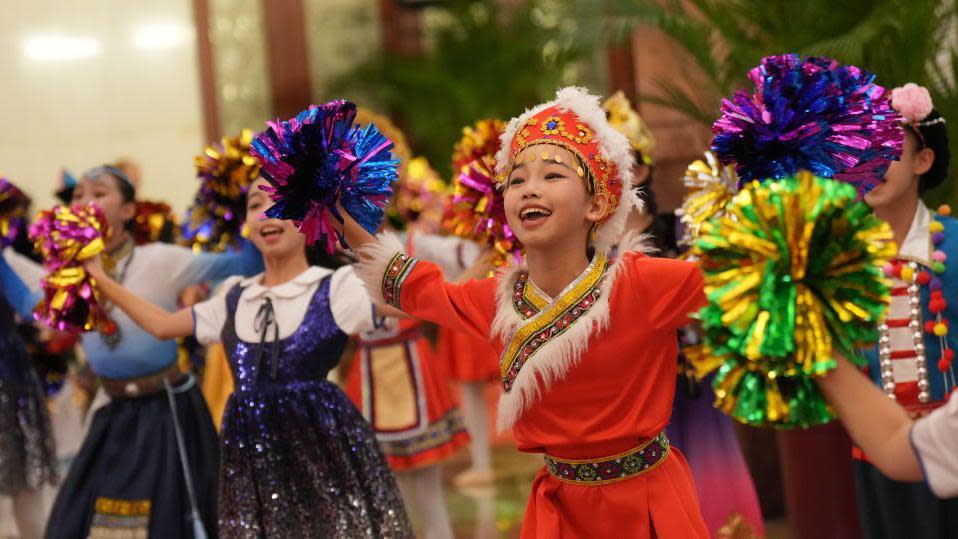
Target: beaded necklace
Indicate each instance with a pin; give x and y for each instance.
(915, 276)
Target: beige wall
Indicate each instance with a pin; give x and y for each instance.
(130, 89)
(239, 62)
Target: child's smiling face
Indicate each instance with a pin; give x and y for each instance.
(271, 236)
(903, 175)
(547, 201)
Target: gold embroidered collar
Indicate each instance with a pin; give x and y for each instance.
(546, 319)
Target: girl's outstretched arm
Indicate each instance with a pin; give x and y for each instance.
(155, 320)
(875, 423)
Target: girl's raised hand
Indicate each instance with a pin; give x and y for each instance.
(94, 267)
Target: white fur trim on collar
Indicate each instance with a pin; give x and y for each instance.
(554, 359)
(613, 146)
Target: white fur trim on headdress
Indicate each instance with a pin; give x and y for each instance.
(613, 145)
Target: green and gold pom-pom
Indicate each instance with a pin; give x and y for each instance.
(793, 275)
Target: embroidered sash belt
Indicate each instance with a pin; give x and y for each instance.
(605, 470)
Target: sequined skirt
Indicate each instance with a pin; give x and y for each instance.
(300, 461)
(27, 456)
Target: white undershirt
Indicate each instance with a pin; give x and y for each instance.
(350, 304)
(935, 439)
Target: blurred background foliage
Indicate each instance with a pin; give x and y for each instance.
(531, 47)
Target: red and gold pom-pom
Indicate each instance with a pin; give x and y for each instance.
(476, 210)
(478, 141)
(67, 237)
(154, 221)
(419, 196)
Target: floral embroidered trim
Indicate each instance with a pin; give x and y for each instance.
(603, 471)
(526, 300)
(114, 518)
(549, 323)
(396, 273)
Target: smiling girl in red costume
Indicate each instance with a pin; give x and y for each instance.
(587, 344)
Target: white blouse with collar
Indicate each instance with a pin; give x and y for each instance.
(350, 305)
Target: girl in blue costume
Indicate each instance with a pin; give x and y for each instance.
(912, 362)
(299, 460)
(129, 477)
(27, 456)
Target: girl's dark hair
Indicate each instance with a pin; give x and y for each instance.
(645, 192)
(122, 181)
(123, 184)
(933, 135)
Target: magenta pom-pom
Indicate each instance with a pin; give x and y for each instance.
(809, 114)
(319, 160)
(67, 237)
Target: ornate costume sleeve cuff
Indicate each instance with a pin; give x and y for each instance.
(383, 267)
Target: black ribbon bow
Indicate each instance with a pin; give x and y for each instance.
(266, 318)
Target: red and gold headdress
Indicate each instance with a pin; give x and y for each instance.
(576, 122)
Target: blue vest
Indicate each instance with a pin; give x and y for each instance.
(949, 287)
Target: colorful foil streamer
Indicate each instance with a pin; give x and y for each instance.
(809, 114)
(625, 119)
(67, 237)
(154, 221)
(14, 205)
(225, 169)
(420, 196)
(792, 271)
(478, 140)
(319, 159)
(401, 149)
(476, 210)
(709, 187)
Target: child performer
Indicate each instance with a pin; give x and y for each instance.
(298, 458)
(402, 388)
(27, 455)
(912, 362)
(128, 474)
(904, 449)
(470, 361)
(588, 344)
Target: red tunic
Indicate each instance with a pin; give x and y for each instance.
(615, 397)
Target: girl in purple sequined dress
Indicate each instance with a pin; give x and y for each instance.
(298, 459)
